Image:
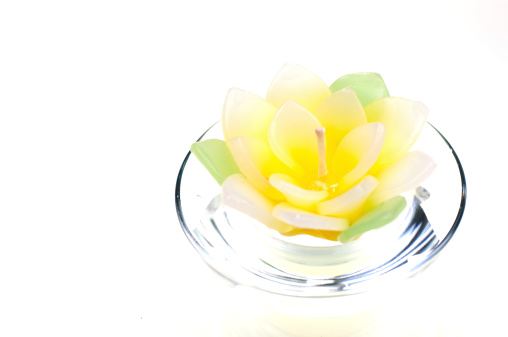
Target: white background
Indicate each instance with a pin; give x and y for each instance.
(101, 100)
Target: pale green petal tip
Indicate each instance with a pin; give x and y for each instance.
(216, 158)
(369, 87)
(378, 217)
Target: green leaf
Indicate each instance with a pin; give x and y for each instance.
(216, 158)
(368, 87)
(378, 217)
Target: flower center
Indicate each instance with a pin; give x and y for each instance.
(326, 183)
(322, 180)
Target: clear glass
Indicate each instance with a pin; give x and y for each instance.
(304, 286)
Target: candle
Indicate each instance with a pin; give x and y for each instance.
(330, 162)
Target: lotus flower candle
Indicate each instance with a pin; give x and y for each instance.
(328, 161)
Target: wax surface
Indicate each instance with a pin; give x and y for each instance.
(239, 107)
(303, 219)
(296, 195)
(238, 193)
(404, 120)
(339, 113)
(256, 160)
(350, 202)
(292, 137)
(357, 153)
(403, 175)
(294, 82)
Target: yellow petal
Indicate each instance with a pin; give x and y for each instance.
(404, 120)
(245, 114)
(349, 202)
(239, 194)
(404, 175)
(327, 235)
(340, 113)
(357, 152)
(296, 195)
(293, 82)
(257, 162)
(303, 219)
(292, 137)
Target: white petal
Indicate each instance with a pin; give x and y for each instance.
(245, 114)
(292, 137)
(340, 113)
(404, 175)
(404, 120)
(257, 162)
(357, 152)
(296, 195)
(303, 219)
(293, 82)
(349, 201)
(239, 194)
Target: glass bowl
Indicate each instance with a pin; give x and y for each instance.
(310, 278)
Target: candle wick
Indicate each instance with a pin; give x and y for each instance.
(320, 133)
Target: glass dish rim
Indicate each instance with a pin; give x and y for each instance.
(415, 267)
